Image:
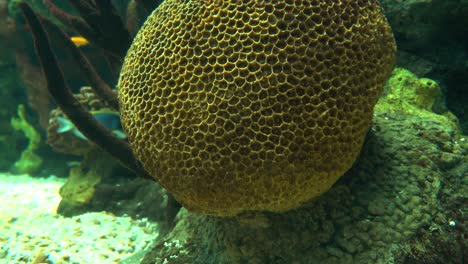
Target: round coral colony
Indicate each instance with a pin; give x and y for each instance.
(238, 106)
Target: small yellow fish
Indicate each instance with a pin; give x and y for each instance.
(79, 41)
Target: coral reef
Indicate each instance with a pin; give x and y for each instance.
(81, 182)
(403, 201)
(90, 187)
(121, 195)
(98, 183)
(29, 162)
(417, 93)
(261, 105)
(67, 142)
(63, 96)
(432, 39)
(96, 178)
(408, 94)
(373, 214)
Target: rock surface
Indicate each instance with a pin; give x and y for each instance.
(432, 39)
(389, 197)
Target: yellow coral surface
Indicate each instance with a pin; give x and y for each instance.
(253, 105)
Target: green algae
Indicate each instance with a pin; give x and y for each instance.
(408, 91)
(29, 161)
(80, 186)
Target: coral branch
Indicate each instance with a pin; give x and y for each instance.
(77, 23)
(64, 98)
(115, 36)
(101, 24)
(97, 83)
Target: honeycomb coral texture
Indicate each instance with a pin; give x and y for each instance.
(253, 105)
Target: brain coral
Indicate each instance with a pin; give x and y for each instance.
(253, 105)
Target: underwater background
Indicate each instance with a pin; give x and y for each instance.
(65, 200)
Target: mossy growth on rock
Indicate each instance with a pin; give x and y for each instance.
(391, 195)
(80, 186)
(29, 161)
(407, 90)
(408, 94)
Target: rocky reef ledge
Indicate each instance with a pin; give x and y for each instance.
(402, 202)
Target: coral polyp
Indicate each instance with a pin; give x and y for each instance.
(260, 105)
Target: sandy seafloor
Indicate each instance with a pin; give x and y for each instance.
(32, 232)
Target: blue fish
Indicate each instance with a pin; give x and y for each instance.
(109, 119)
